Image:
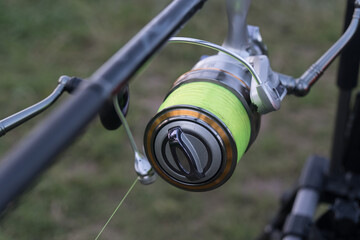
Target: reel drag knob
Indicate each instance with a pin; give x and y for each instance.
(184, 155)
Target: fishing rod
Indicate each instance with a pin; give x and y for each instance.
(21, 165)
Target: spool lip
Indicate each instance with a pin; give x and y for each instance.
(207, 120)
(208, 151)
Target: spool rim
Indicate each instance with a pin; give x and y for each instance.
(206, 119)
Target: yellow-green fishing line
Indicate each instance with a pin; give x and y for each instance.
(220, 102)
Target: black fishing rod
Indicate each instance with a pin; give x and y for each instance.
(38, 150)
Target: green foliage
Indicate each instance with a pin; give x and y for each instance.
(41, 40)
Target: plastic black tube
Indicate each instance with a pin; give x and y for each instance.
(107, 113)
(350, 57)
(51, 136)
(347, 78)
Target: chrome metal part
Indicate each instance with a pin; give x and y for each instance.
(204, 145)
(288, 82)
(218, 48)
(17, 119)
(242, 39)
(257, 46)
(268, 88)
(203, 160)
(224, 70)
(303, 84)
(144, 169)
(238, 82)
(237, 39)
(268, 95)
(267, 92)
(292, 238)
(305, 205)
(142, 166)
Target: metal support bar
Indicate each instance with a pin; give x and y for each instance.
(237, 39)
(303, 84)
(297, 225)
(51, 136)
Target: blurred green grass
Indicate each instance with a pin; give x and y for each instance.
(41, 40)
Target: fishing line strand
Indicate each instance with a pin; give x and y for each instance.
(118, 206)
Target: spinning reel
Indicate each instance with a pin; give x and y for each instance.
(211, 115)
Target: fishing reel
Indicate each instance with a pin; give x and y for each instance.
(211, 115)
(210, 118)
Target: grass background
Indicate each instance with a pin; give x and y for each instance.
(41, 40)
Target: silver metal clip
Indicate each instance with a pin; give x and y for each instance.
(142, 166)
(268, 94)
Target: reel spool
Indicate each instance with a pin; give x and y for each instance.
(204, 125)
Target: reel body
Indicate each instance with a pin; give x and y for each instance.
(204, 125)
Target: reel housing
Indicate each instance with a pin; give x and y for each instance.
(204, 125)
